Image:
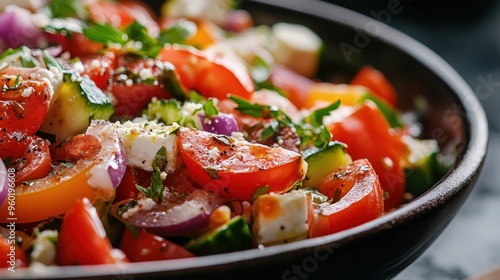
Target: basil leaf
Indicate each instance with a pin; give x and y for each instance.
(105, 34)
(316, 117)
(67, 8)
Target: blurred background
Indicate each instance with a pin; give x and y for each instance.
(467, 35)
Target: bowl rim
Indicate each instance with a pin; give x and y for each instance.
(470, 161)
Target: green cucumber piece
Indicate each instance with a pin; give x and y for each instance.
(322, 162)
(233, 236)
(422, 172)
(75, 103)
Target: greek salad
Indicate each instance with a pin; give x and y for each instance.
(131, 135)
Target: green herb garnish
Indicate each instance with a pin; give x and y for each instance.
(155, 189)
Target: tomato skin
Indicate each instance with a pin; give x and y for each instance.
(362, 203)
(210, 74)
(20, 114)
(368, 135)
(82, 239)
(36, 162)
(23, 107)
(100, 67)
(376, 81)
(123, 13)
(77, 45)
(239, 169)
(150, 247)
(131, 99)
(20, 259)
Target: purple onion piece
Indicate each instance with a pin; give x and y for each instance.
(184, 219)
(18, 29)
(107, 174)
(221, 124)
(4, 183)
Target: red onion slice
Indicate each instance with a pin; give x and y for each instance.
(4, 183)
(221, 124)
(184, 219)
(109, 170)
(18, 29)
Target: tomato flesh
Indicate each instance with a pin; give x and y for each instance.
(376, 81)
(149, 247)
(368, 135)
(238, 169)
(22, 110)
(82, 239)
(36, 161)
(210, 74)
(362, 200)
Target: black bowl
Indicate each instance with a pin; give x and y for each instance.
(379, 249)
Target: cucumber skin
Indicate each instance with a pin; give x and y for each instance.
(234, 236)
(323, 162)
(75, 103)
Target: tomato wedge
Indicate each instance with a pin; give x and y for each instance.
(361, 201)
(82, 239)
(213, 75)
(23, 106)
(149, 247)
(237, 168)
(368, 135)
(376, 81)
(11, 258)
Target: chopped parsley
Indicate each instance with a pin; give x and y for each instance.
(310, 130)
(155, 189)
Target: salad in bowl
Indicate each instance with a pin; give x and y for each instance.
(133, 136)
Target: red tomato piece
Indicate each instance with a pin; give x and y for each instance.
(100, 67)
(376, 81)
(150, 247)
(132, 98)
(368, 135)
(82, 239)
(362, 200)
(210, 74)
(11, 255)
(36, 162)
(77, 45)
(123, 13)
(23, 107)
(236, 168)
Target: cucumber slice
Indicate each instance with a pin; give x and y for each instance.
(75, 103)
(231, 237)
(322, 162)
(422, 171)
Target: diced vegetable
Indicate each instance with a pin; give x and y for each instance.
(322, 162)
(230, 237)
(75, 103)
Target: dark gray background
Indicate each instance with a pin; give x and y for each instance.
(467, 35)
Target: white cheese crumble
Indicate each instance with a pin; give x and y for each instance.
(145, 74)
(214, 153)
(142, 139)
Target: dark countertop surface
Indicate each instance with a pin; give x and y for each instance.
(467, 36)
